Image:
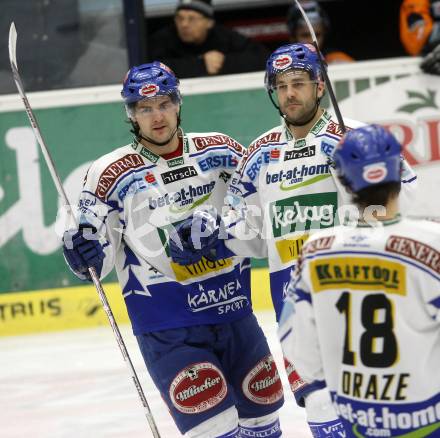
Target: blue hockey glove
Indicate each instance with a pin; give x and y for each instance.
(197, 237)
(82, 250)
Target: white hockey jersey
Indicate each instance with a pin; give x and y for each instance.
(363, 316)
(288, 189)
(134, 198)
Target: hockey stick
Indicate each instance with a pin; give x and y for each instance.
(60, 189)
(324, 71)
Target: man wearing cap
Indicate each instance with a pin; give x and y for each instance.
(195, 45)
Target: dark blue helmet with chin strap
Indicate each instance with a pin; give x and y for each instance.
(368, 156)
(293, 57)
(150, 80)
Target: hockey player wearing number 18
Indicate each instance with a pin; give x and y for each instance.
(194, 325)
(362, 314)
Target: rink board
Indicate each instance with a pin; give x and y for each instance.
(82, 124)
(80, 307)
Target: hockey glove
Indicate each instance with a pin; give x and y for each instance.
(321, 415)
(431, 62)
(197, 237)
(82, 250)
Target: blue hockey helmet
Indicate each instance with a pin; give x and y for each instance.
(292, 57)
(150, 80)
(368, 156)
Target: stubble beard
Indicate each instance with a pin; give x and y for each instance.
(303, 115)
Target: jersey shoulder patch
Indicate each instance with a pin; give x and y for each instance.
(203, 141)
(415, 250)
(108, 169)
(316, 244)
(272, 136)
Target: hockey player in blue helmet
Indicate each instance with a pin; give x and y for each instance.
(295, 83)
(366, 158)
(195, 327)
(361, 316)
(156, 85)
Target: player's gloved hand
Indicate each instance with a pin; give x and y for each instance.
(321, 415)
(431, 62)
(197, 237)
(83, 250)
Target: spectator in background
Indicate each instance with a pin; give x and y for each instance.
(195, 45)
(299, 32)
(420, 25)
(420, 31)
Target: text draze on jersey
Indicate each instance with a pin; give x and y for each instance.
(113, 171)
(302, 213)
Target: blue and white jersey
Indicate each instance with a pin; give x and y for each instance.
(362, 316)
(288, 189)
(135, 198)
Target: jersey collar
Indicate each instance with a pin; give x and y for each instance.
(157, 159)
(396, 219)
(315, 130)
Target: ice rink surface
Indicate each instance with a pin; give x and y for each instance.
(75, 384)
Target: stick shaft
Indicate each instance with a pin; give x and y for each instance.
(323, 69)
(60, 189)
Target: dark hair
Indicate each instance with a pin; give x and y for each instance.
(134, 126)
(376, 195)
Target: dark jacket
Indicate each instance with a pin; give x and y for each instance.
(241, 54)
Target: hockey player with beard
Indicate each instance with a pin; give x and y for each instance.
(284, 189)
(194, 325)
(362, 314)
